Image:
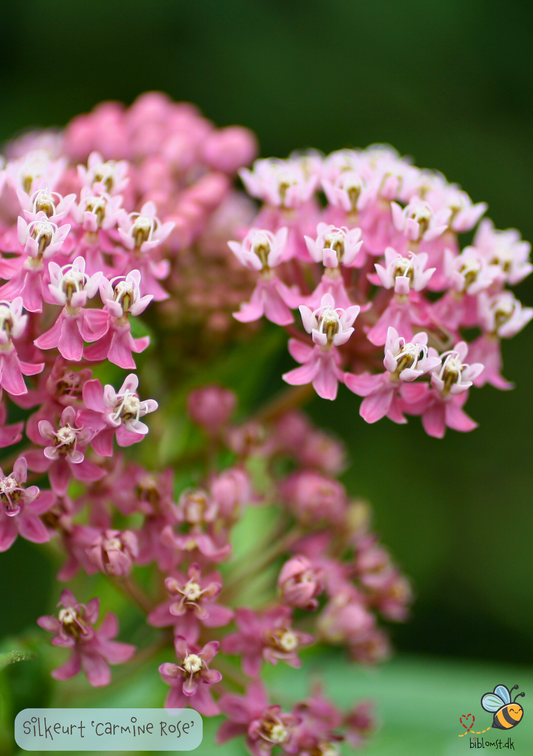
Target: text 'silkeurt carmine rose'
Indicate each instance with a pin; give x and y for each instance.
(142, 253)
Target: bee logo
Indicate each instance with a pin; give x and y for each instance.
(507, 713)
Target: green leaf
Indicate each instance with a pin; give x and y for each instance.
(139, 330)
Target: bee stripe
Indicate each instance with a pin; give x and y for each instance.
(506, 719)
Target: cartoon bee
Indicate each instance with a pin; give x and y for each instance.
(507, 713)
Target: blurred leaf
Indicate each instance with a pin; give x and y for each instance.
(15, 656)
(244, 370)
(139, 329)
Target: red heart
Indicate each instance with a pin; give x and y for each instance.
(467, 717)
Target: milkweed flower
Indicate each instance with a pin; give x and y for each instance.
(91, 650)
(64, 454)
(261, 251)
(441, 404)
(356, 234)
(12, 326)
(334, 246)
(299, 583)
(190, 679)
(104, 176)
(121, 298)
(110, 413)
(404, 361)
(71, 287)
(20, 507)
(329, 327)
(264, 726)
(192, 604)
(114, 552)
(266, 636)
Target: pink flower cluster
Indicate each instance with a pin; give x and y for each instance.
(188, 542)
(133, 206)
(383, 248)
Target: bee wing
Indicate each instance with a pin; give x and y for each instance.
(491, 702)
(503, 692)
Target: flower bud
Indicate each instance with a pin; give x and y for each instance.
(299, 583)
(211, 407)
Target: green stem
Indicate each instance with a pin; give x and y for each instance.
(292, 397)
(133, 591)
(246, 572)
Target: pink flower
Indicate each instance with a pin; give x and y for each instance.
(454, 376)
(143, 231)
(231, 492)
(404, 361)
(97, 211)
(12, 326)
(404, 273)
(260, 249)
(192, 604)
(441, 405)
(418, 221)
(189, 680)
(502, 314)
(464, 214)
(345, 619)
(104, 176)
(111, 413)
(314, 498)
(64, 458)
(282, 183)
(42, 240)
(93, 650)
(506, 250)
(348, 191)
(204, 538)
(122, 298)
(329, 327)
(35, 170)
(299, 583)
(53, 205)
(71, 287)
(211, 407)
(264, 726)
(114, 552)
(470, 271)
(20, 507)
(267, 636)
(335, 246)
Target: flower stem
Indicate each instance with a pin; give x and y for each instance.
(246, 572)
(133, 591)
(292, 397)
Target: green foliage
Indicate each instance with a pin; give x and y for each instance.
(418, 700)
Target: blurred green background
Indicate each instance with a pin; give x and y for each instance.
(448, 82)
